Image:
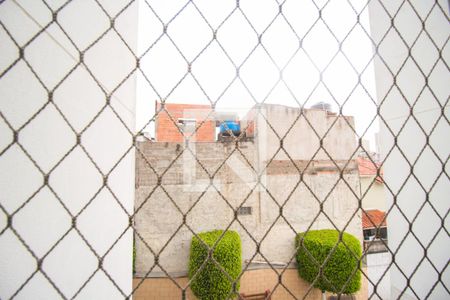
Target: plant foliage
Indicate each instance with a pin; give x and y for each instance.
(211, 282)
(314, 247)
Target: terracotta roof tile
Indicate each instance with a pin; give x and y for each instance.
(368, 168)
(373, 218)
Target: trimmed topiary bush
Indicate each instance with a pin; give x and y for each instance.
(211, 282)
(338, 269)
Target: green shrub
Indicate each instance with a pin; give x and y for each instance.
(338, 269)
(211, 282)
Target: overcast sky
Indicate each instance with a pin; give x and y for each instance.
(213, 71)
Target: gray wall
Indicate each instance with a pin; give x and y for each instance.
(302, 133)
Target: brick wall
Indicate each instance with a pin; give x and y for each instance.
(167, 130)
(253, 281)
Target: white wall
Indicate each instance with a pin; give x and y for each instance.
(47, 138)
(377, 265)
(427, 184)
(375, 193)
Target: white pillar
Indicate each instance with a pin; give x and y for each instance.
(428, 184)
(47, 132)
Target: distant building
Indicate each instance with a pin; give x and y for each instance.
(374, 230)
(274, 188)
(367, 151)
(372, 185)
(174, 122)
(374, 224)
(373, 203)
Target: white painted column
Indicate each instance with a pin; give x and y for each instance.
(428, 184)
(41, 227)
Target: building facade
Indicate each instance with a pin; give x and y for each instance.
(372, 185)
(176, 122)
(266, 192)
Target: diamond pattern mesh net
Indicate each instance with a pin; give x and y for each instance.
(67, 74)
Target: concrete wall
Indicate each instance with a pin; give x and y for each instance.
(302, 133)
(185, 184)
(374, 193)
(41, 215)
(422, 82)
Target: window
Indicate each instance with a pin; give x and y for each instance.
(375, 234)
(244, 210)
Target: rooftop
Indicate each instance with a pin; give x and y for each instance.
(373, 218)
(367, 168)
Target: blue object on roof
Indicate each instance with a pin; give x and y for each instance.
(226, 126)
